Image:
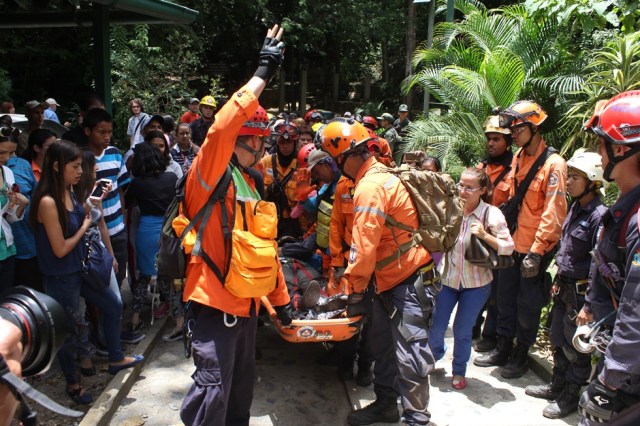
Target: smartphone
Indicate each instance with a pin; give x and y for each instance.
(102, 183)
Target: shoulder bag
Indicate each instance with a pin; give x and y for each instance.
(479, 253)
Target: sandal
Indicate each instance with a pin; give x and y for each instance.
(459, 382)
(79, 396)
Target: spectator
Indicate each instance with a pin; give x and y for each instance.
(39, 141)
(134, 126)
(305, 136)
(27, 271)
(152, 190)
(169, 129)
(390, 134)
(98, 128)
(158, 140)
(7, 108)
(60, 223)
(184, 151)
(432, 164)
(464, 284)
(34, 111)
(50, 113)
(200, 127)
(401, 123)
(192, 113)
(76, 134)
(12, 207)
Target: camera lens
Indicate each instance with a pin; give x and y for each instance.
(43, 322)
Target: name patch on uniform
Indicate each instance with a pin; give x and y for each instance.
(270, 172)
(553, 179)
(353, 254)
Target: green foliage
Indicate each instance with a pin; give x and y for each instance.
(159, 65)
(586, 15)
(5, 84)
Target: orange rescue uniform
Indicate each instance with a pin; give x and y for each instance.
(502, 190)
(208, 166)
(544, 207)
(341, 224)
(386, 156)
(379, 194)
(266, 166)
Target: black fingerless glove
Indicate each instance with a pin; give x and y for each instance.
(355, 305)
(284, 313)
(270, 58)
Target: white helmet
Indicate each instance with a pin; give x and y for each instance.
(590, 164)
(492, 125)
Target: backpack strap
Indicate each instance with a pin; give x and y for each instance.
(501, 176)
(535, 167)
(218, 195)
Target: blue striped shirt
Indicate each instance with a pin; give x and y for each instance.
(22, 235)
(111, 166)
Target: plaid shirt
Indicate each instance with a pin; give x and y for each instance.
(461, 274)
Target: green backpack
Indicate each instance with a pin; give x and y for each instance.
(438, 206)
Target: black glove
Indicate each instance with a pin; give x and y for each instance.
(530, 265)
(284, 313)
(270, 58)
(355, 305)
(598, 403)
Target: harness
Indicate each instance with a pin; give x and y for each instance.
(279, 195)
(426, 282)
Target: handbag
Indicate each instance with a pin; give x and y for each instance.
(479, 253)
(97, 263)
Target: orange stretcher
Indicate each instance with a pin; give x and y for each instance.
(313, 331)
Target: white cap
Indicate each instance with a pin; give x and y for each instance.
(52, 101)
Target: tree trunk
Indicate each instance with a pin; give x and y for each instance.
(410, 46)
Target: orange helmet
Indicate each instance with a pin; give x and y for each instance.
(341, 135)
(522, 112)
(256, 124)
(304, 153)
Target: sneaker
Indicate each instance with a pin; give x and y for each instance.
(131, 337)
(138, 327)
(161, 311)
(173, 336)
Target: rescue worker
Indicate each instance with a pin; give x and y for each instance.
(539, 225)
(497, 164)
(391, 135)
(571, 369)
(221, 325)
(200, 126)
(614, 289)
(403, 304)
(279, 182)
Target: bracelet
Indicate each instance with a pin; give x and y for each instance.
(89, 204)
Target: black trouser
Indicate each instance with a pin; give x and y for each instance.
(358, 344)
(574, 366)
(520, 301)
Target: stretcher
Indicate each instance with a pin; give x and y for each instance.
(313, 331)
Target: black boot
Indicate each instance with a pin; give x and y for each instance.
(565, 404)
(365, 376)
(499, 356)
(548, 391)
(518, 364)
(486, 344)
(382, 410)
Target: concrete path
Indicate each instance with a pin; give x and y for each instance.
(291, 389)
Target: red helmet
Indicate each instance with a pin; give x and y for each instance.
(307, 116)
(374, 142)
(370, 122)
(618, 120)
(303, 155)
(256, 124)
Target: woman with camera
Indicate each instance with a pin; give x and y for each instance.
(61, 222)
(464, 283)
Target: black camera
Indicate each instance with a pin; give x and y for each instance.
(43, 322)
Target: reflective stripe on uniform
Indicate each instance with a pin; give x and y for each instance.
(392, 180)
(367, 209)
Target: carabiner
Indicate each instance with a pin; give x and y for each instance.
(230, 324)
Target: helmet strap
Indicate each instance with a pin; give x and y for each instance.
(614, 160)
(255, 153)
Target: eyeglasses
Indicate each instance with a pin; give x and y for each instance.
(461, 188)
(517, 128)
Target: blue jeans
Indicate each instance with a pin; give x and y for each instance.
(470, 301)
(67, 290)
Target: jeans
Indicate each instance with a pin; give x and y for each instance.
(119, 243)
(67, 290)
(470, 301)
